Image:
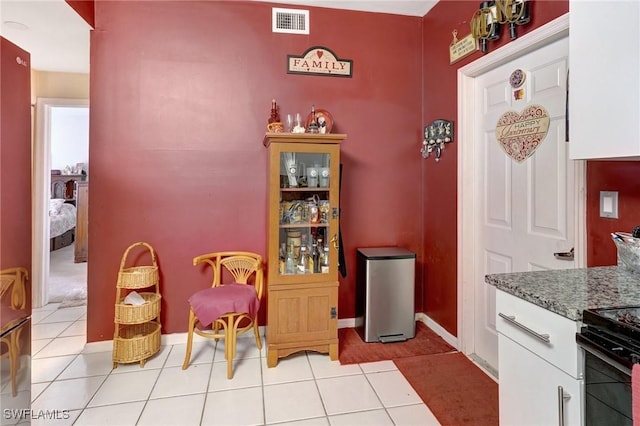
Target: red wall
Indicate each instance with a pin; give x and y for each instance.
(621, 176)
(180, 96)
(84, 8)
(15, 158)
(440, 101)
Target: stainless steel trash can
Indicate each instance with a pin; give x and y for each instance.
(385, 291)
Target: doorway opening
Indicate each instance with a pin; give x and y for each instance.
(54, 117)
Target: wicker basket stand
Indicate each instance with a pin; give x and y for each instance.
(136, 334)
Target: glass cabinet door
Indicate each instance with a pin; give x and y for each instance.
(307, 211)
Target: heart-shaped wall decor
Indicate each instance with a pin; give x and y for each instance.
(520, 134)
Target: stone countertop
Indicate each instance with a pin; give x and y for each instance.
(568, 292)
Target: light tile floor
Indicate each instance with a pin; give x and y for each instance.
(304, 389)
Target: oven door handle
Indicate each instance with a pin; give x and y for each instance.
(594, 349)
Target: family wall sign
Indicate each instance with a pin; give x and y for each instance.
(318, 60)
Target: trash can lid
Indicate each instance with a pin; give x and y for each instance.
(386, 253)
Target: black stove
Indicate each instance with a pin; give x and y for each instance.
(628, 315)
(610, 338)
(614, 332)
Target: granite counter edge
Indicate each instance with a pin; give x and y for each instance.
(574, 313)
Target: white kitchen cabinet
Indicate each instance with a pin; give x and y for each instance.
(529, 389)
(540, 382)
(604, 88)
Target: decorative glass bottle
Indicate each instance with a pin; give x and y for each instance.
(324, 264)
(315, 255)
(303, 261)
(274, 117)
(290, 263)
(283, 259)
(313, 123)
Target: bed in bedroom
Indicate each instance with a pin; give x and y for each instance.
(62, 209)
(62, 223)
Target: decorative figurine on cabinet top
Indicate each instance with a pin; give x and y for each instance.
(319, 121)
(274, 124)
(274, 116)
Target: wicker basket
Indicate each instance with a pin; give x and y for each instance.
(136, 342)
(137, 327)
(136, 314)
(138, 276)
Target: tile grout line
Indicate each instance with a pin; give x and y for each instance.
(206, 393)
(315, 382)
(75, 356)
(154, 386)
(378, 396)
(264, 406)
(83, 409)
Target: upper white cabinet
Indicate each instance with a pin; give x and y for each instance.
(604, 79)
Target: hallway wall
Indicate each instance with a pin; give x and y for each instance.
(15, 160)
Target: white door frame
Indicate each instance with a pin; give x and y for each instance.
(467, 206)
(41, 195)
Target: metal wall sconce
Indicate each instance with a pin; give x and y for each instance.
(436, 135)
(487, 20)
(514, 13)
(485, 25)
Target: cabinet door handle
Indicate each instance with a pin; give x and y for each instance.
(335, 242)
(562, 395)
(512, 319)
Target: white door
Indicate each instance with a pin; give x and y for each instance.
(525, 210)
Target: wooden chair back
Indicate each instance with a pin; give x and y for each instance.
(14, 279)
(240, 265)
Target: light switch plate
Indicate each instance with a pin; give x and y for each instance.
(609, 204)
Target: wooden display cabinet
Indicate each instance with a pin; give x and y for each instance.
(302, 290)
(64, 186)
(81, 248)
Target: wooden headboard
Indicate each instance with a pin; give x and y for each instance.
(64, 186)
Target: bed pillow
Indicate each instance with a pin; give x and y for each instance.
(55, 204)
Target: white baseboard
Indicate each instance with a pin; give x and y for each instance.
(102, 346)
(350, 322)
(181, 338)
(165, 340)
(438, 329)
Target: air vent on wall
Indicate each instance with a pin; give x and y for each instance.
(291, 21)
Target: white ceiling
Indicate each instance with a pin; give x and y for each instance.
(58, 38)
(398, 7)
